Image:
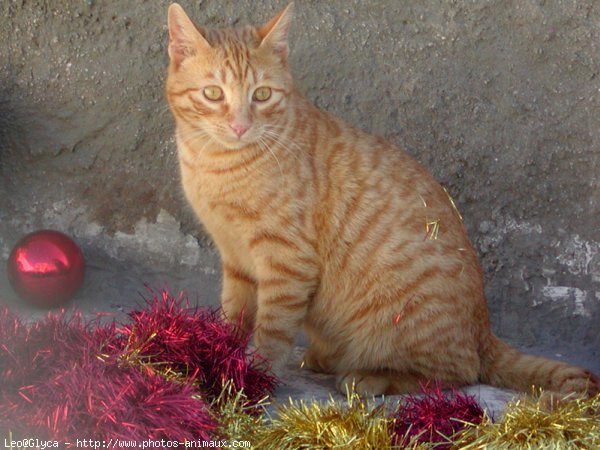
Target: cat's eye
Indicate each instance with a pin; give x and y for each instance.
(213, 93)
(262, 94)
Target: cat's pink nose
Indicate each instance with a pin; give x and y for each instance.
(239, 128)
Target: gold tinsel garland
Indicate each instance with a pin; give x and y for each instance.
(525, 424)
(331, 425)
(529, 424)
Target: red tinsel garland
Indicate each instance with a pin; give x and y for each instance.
(199, 345)
(63, 378)
(433, 416)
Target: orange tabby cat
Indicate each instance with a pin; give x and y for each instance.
(323, 226)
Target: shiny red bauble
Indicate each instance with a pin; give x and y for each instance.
(46, 268)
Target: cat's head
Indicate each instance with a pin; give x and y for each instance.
(229, 85)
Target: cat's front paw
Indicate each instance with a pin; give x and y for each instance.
(275, 367)
(241, 321)
(312, 361)
(270, 361)
(363, 383)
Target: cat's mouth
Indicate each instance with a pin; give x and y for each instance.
(233, 141)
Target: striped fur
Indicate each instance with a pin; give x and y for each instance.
(322, 226)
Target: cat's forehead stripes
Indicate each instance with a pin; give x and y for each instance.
(235, 45)
(233, 71)
(246, 36)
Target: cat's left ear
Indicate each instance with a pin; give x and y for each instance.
(184, 38)
(274, 33)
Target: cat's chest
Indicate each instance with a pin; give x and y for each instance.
(230, 233)
(225, 214)
(217, 199)
(215, 206)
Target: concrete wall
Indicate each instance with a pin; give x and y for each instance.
(500, 100)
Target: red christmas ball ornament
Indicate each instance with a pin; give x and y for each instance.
(46, 268)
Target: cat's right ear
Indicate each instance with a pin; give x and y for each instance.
(184, 38)
(274, 33)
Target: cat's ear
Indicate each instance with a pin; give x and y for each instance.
(274, 33)
(184, 38)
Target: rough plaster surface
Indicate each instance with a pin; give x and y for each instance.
(500, 100)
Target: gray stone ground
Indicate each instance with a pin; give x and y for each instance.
(500, 100)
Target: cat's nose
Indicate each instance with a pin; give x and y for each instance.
(239, 128)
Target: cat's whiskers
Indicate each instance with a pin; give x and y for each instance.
(297, 143)
(283, 146)
(193, 135)
(263, 145)
(164, 109)
(191, 138)
(285, 128)
(286, 144)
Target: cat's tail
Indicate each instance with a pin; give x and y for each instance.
(506, 367)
